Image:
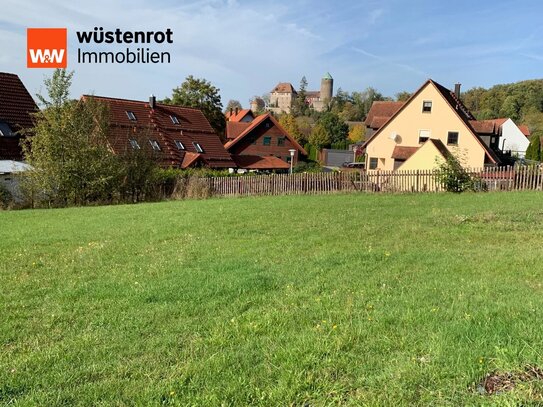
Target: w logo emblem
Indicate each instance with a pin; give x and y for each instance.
(46, 48)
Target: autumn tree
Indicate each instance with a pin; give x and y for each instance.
(319, 137)
(356, 133)
(288, 122)
(336, 128)
(201, 94)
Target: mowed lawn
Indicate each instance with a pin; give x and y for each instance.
(303, 301)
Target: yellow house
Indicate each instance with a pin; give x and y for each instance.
(430, 125)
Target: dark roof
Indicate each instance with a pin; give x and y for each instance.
(284, 87)
(380, 112)
(403, 153)
(255, 162)
(444, 151)
(16, 109)
(255, 123)
(16, 104)
(156, 124)
(462, 112)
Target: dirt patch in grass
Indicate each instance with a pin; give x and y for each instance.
(500, 382)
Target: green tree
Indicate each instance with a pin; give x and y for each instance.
(319, 137)
(288, 121)
(73, 164)
(403, 96)
(233, 104)
(201, 94)
(336, 128)
(300, 107)
(357, 133)
(533, 152)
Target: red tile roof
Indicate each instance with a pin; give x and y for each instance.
(239, 116)
(380, 112)
(525, 130)
(16, 109)
(255, 123)
(484, 126)
(403, 153)
(156, 124)
(255, 162)
(234, 129)
(284, 87)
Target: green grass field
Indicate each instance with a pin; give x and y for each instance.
(304, 301)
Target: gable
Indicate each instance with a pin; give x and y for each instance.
(410, 121)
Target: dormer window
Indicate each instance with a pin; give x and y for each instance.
(155, 145)
(5, 130)
(179, 145)
(427, 106)
(134, 144)
(174, 119)
(198, 147)
(131, 116)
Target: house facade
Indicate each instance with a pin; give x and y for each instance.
(262, 137)
(432, 113)
(181, 137)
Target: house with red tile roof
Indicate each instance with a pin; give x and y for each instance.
(237, 115)
(262, 144)
(513, 138)
(16, 109)
(432, 113)
(180, 136)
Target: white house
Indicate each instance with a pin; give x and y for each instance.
(513, 138)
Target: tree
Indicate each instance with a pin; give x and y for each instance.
(402, 96)
(232, 105)
(305, 125)
(336, 128)
(300, 107)
(356, 133)
(288, 121)
(72, 161)
(533, 152)
(201, 94)
(319, 137)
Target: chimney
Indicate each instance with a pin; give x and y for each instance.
(231, 112)
(457, 90)
(237, 111)
(152, 101)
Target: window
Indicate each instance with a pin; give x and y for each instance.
(424, 135)
(198, 147)
(134, 144)
(267, 141)
(452, 138)
(179, 145)
(155, 145)
(427, 106)
(281, 141)
(174, 119)
(5, 130)
(131, 115)
(373, 163)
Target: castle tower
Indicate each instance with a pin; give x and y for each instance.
(254, 106)
(327, 87)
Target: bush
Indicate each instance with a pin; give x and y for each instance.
(454, 178)
(309, 166)
(6, 199)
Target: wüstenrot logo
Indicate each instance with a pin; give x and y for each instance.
(46, 48)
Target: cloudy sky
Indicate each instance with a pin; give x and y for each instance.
(246, 47)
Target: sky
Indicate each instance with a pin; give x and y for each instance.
(246, 47)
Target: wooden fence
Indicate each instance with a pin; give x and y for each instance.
(486, 179)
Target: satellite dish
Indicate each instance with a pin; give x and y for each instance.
(394, 137)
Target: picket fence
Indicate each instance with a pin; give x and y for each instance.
(486, 179)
